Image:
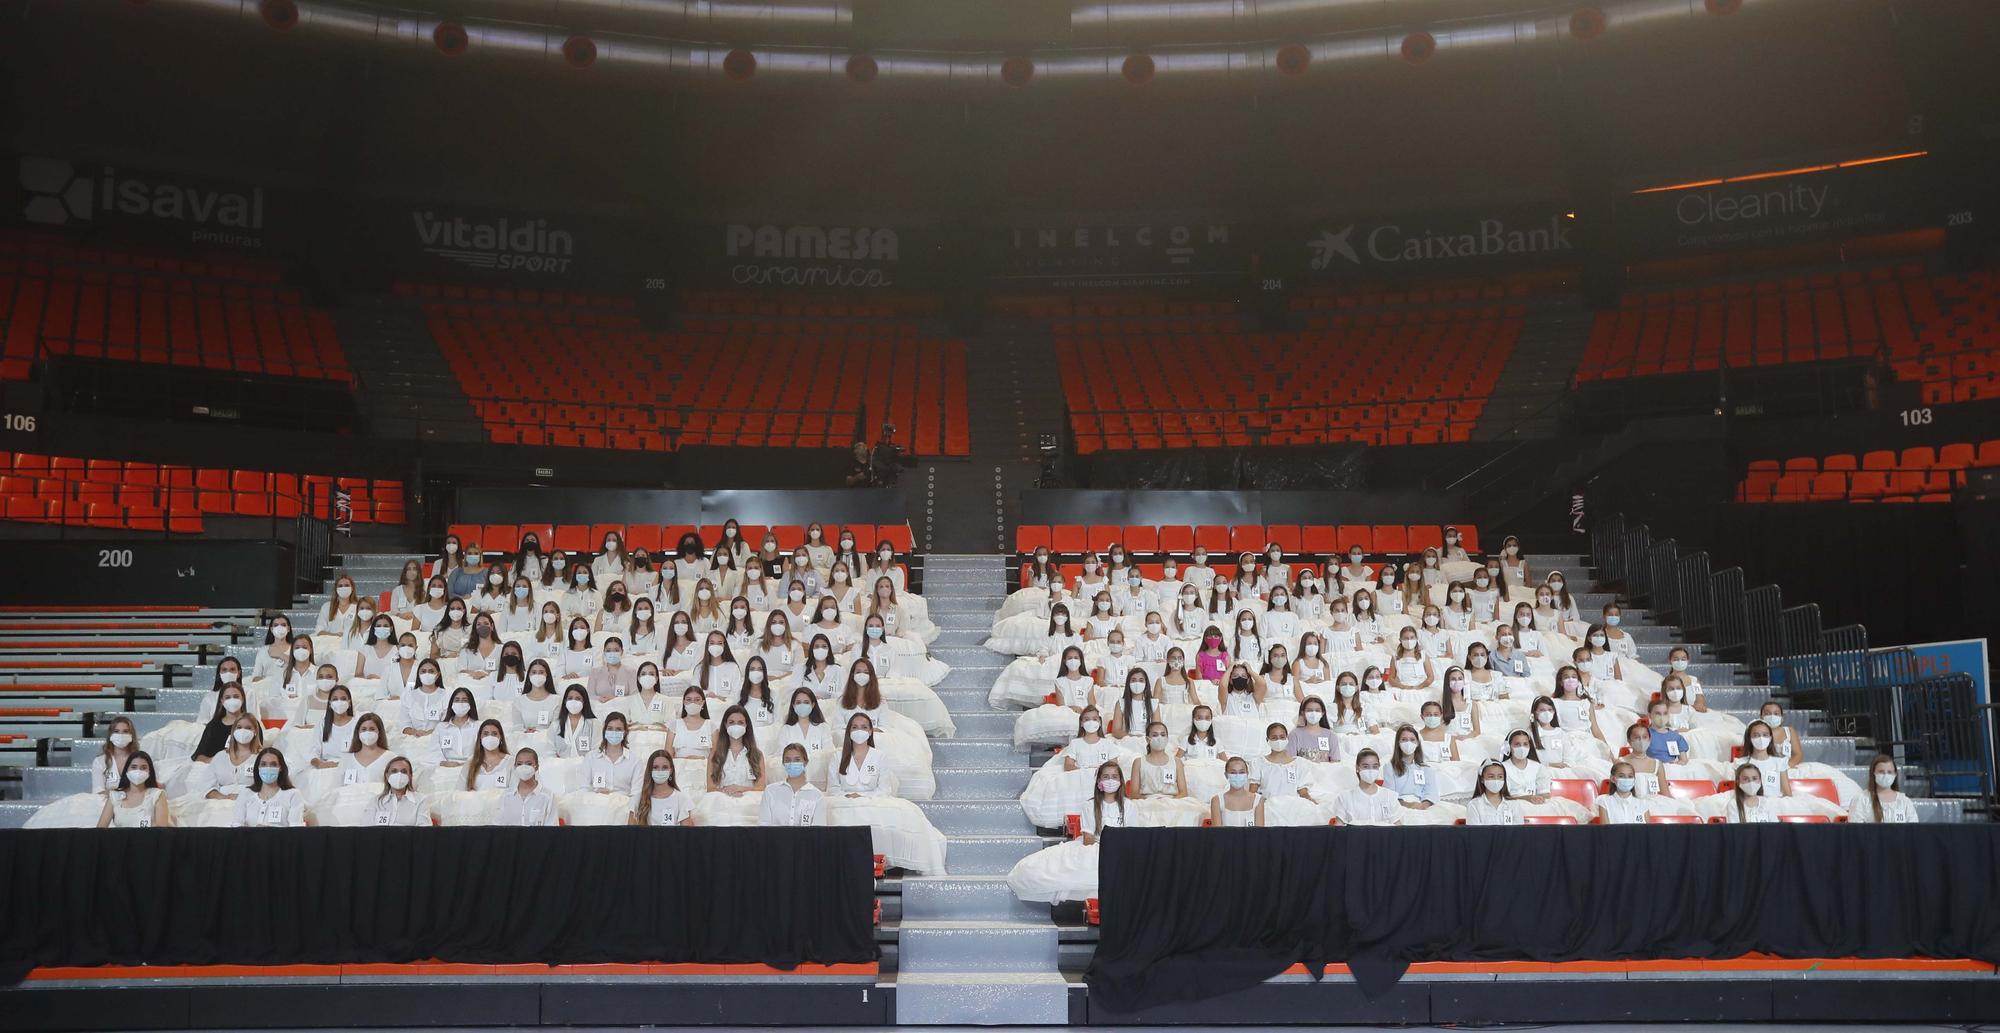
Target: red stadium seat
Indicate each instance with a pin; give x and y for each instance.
(643, 536)
(1213, 537)
(574, 538)
(1582, 790)
(1103, 536)
(1142, 539)
(1287, 537)
(1391, 539)
(1690, 788)
(1177, 539)
(1318, 540)
(1029, 537)
(1424, 536)
(599, 531)
(897, 535)
(1351, 535)
(1069, 539)
(1820, 788)
(1247, 538)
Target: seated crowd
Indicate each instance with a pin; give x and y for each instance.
(1453, 688)
(724, 683)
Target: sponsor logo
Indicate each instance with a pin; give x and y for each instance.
(59, 194)
(1716, 207)
(1179, 244)
(811, 256)
(501, 243)
(1487, 238)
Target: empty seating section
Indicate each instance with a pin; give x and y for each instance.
(111, 493)
(1942, 331)
(1917, 474)
(59, 299)
(546, 375)
(1390, 377)
(1368, 296)
(655, 538)
(1064, 306)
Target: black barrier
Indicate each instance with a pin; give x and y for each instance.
(477, 894)
(1945, 728)
(147, 572)
(1697, 596)
(1195, 913)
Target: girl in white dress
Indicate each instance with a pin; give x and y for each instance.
(450, 636)
(1158, 774)
(1091, 746)
(1368, 803)
(821, 674)
(492, 596)
(740, 629)
(1623, 806)
(529, 804)
(575, 730)
(1409, 669)
(517, 617)
(1492, 803)
(229, 772)
(649, 708)
(273, 802)
(692, 735)
(1134, 710)
(132, 800)
(1236, 807)
(805, 725)
(1279, 774)
(612, 767)
(451, 742)
(364, 760)
(1276, 674)
(336, 729)
(1512, 564)
(120, 743)
(408, 593)
(1200, 742)
(424, 706)
(682, 650)
(859, 773)
(780, 651)
(1527, 778)
(1772, 769)
(1785, 740)
(399, 804)
(736, 766)
(659, 801)
(537, 704)
(491, 765)
(1882, 800)
(717, 673)
(1747, 802)
(1527, 637)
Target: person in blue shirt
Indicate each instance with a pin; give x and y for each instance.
(1414, 782)
(466, 578)
(1664, 744)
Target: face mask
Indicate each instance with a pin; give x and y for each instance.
(428, 678)
(1062, 620)
(1072, 664)
(1370, 775)
(1520, 752)
(301, 653)
(614, 658)
(1433, 720)
(1388, 579)
(121, 739)
(1751, 788)
(1678, 665)
(1373, 683)
(559, 563)
(1494, 785)
(861, 677)
(268, 776)
(1478, 662)
(1544, 717)
(1090, 727)
(1639, 745)
(1238, 780)
(1674, 695)
(1760, 741)
(1481, 582)
(1545, 601)
(1202, 724)
(574, 706)
(858, 735)
(798, 595)
(1409, 643)
(1363, 606)
(1346, 688)
(1885, 779)
(875, 633)
(457, 615)
(1275, 745)
(436, 592)
(1571, 684)
(538, 679)
(399, 780)
(681, 628)
(715, 650)
(461, 708)
(582, 579)
(1108, 785)
(704, 595)
(1168, 573)
(226, 677)
(614, 737)
(1623, 783)
(1774, 720)
(244, 735)
(1506, 641)
(795, 769)
(1157, 742)
(524, 773)
(1408, 746)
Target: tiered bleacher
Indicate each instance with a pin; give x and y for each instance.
(1399, 372)
(1919, 473)
(570, 370)
(61, 299)
(1942, 331)
(139, 496)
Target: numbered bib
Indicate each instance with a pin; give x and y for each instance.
(349, 776)
(703, 739)
(598, 780)
(1673, 748)
(1169, 777)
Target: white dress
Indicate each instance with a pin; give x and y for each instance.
(1068, 871)
(668, 812)
(1481, 811)
(137, 816)
(1357, 806)
(538, 807)
(1899, 811)
(285, 809)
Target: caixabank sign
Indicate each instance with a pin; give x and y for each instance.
(85, 194)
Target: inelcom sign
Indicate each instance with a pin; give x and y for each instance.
(1878, 198)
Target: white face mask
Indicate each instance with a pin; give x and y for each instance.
(1752, 787)
(1678, 665)
(1760, 742)
(681, 628)
(1433, 720)
(399, 780)
(343, 591)
(1346, 688)
(301, 653)
(647, 681)
(1072, 664)
(1275, 745)
(461, 708)
(861, 677)
(574, 706)
(1545, 717)
(1369, 776)
(1202, 724)
(578, 634)
(1597, 640)
(231, 704)
(538, 679)
(524, 773)
(819, 652)
(427, 679)
(691, 709)
(704, 595)
(739, 613)
(436, 592)
(121, 739)
(660, 776)
(1885, 779)
(858, 735)
(1408, 746)
(1091, 726)
(1520, 752)
(226, 677)
(756, 677)
(715, 649)
(490, 742)
(244, 735)
(1431, 620)
(1374, 683)
(1494, 785)
(802, 709)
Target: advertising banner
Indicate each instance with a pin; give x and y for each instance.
(86, 195)
(818, 254)
(423, 241)
(1777, 210)
(1137, 251)
(1433, 243)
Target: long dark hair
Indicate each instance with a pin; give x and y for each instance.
(284, 770)
(1396, 755)
(847, 738)
(1145, 696)
(1874, 791)
(642, 801)
(1097, 795)
(123, 784)
(478, 764)
(750, 750)
(326, 724)
(861, 697)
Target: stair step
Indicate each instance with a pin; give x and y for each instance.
(965, 897)
(977, 817)
(990, 855)
(981, 784)
(982, 999)
(976, 945)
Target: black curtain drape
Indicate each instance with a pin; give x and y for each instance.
(1193, 913)
(478, 895)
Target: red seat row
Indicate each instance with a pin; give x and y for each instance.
(1918, 474)
(1224, 540)
(1941, 331)
(1401, 376)
(656, 538)
(153, 497)
(59, 299)
(1129, 306)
